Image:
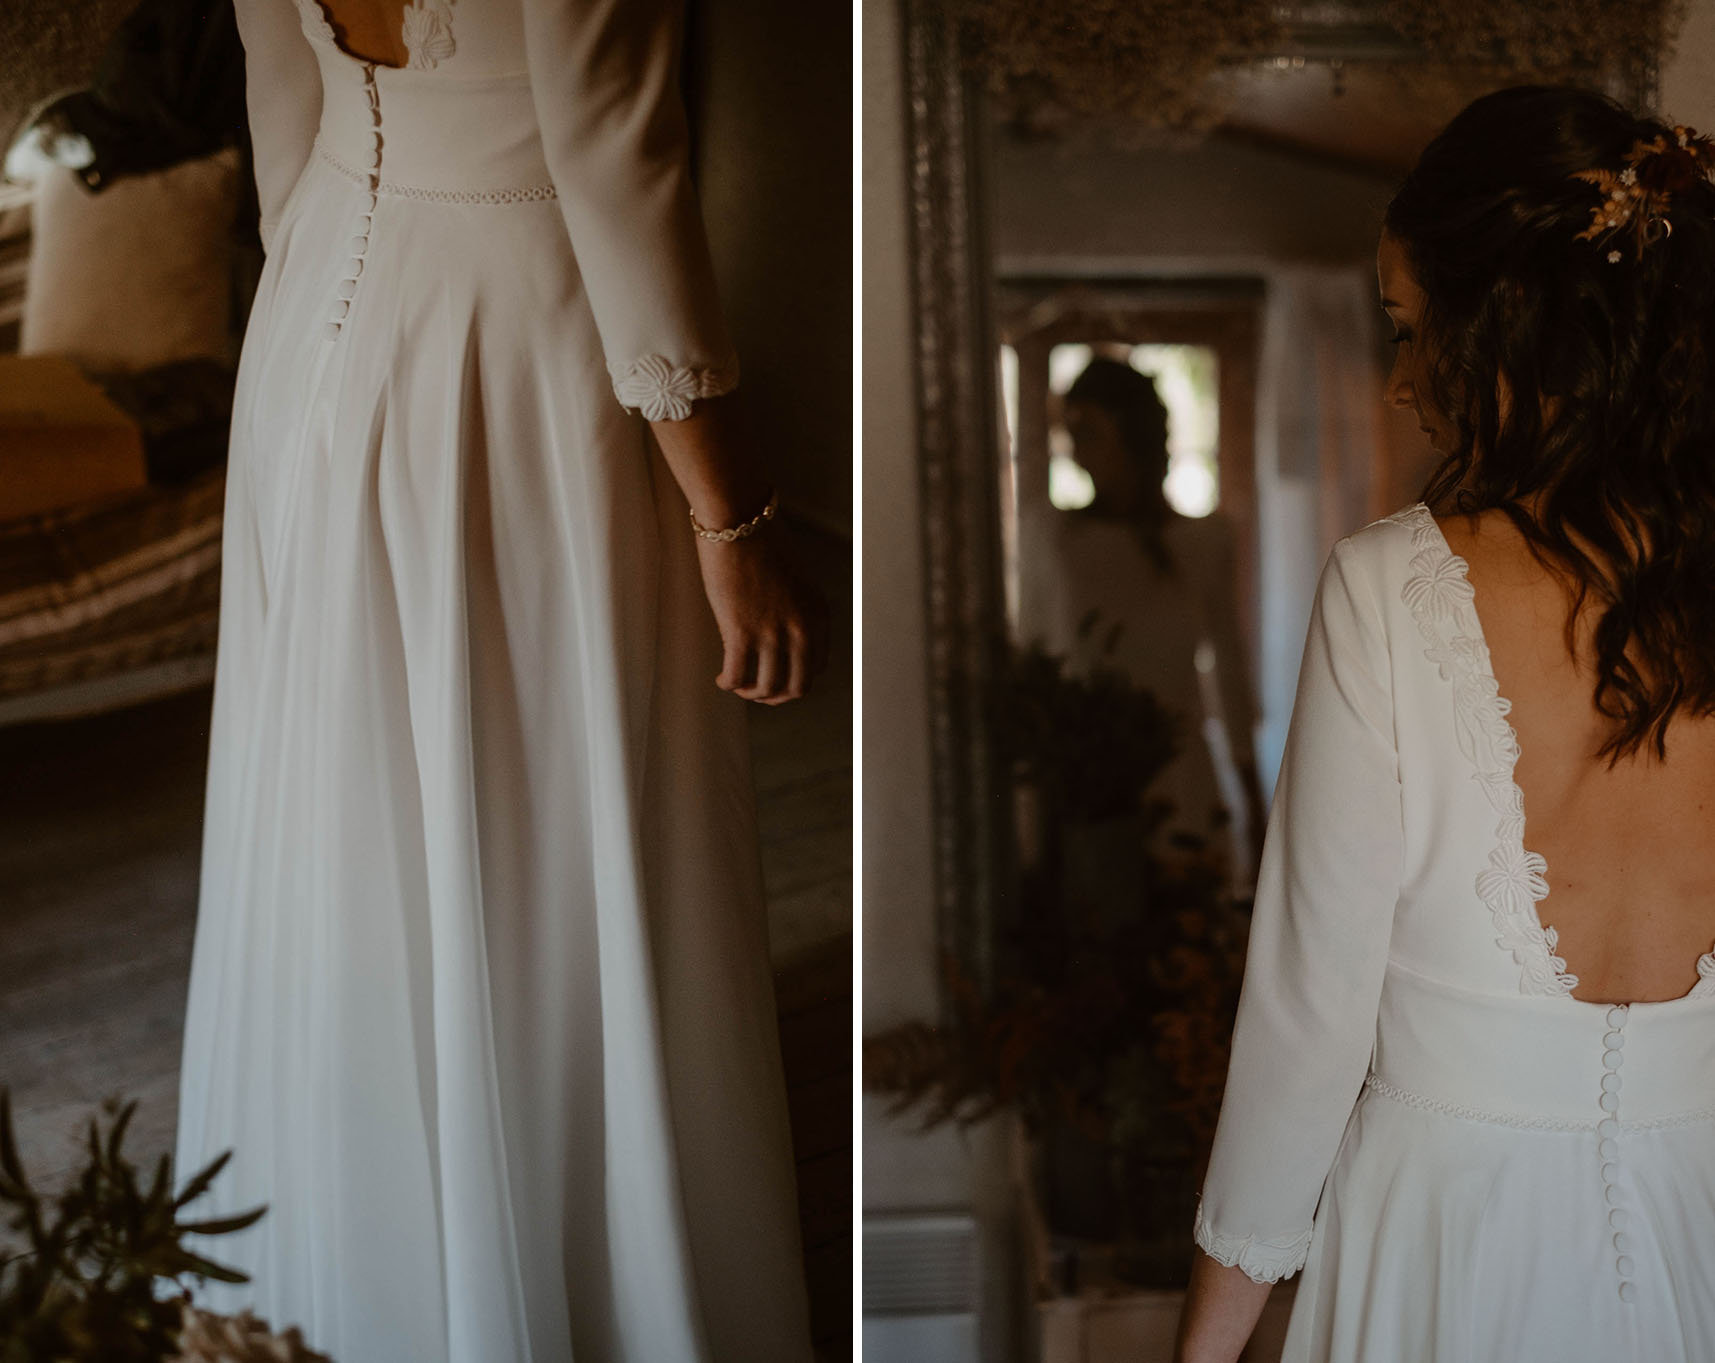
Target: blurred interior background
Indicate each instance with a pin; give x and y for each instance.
(1123, 369)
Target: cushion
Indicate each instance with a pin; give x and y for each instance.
(137, 275)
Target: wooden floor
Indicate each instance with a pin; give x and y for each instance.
(100, 822)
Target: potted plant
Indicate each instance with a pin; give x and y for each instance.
(93, 1281)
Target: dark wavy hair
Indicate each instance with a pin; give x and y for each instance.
(1130, 398)
(1604, 458)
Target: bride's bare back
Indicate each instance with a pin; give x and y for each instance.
(370, 29)
(1630, 849)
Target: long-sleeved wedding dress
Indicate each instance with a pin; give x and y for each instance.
(1469, 1164)
(480, 994)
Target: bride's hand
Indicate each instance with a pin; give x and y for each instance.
(773, 624)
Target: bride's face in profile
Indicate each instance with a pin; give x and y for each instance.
(1402, 301)
(1100, 450)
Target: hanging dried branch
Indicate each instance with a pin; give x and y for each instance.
(1545, 40)
(1142, 60)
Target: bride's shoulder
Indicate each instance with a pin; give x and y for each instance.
(1384, 544)
(1385, 566)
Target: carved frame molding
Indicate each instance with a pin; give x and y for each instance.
(956, 442)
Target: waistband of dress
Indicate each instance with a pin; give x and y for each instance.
(1530, 1121)
(430, 194)
(433, 138)
(1543, 1062)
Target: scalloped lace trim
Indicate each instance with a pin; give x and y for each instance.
(1439, 595)
(663, 391)
(1262, 1261)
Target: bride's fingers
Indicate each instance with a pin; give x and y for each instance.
(798, 670)
(769, 672)
(736, 668)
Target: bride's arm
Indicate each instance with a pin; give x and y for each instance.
(1326, 894)
(283, 96)
(605, 78)
(774, 627)
(1222, 1307)
(604, 75)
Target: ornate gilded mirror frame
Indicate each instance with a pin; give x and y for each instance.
(956, 436)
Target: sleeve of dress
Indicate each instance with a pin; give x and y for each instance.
(1326, 894)
(605, 76)
(283, 95)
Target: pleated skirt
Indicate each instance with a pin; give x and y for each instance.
(480, 997)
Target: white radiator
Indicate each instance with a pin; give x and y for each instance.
(920, 1288)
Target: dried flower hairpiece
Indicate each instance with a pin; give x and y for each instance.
(1640, 195)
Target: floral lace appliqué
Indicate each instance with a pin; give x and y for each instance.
(1705, 986)
(427, 30)
(663, 391)
(1262, 1261)
(428, 33)
(1438, 593)
(315, 20)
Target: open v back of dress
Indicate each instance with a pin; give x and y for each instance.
(371, 30)
(1630, 848)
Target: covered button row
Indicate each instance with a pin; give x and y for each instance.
(1607, 1147)
(359, 244)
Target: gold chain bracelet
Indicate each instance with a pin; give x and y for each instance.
(742, 531)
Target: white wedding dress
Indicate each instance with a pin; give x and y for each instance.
(1469, 1164)
(481, 996)
(1098, 568)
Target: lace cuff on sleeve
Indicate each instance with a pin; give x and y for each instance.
(663, 391)
(1262, 1261)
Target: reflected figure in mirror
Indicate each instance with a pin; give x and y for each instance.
(1129, 583)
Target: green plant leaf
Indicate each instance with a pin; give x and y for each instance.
(158, 1187)
(200, 1183)
(222, 1225)
(116, 1134)
(207, 1268)
(10, 1164)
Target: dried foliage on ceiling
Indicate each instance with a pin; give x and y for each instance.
(1539, 39)
(1152, 63)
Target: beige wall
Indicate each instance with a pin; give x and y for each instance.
(1688, 77)
(1091, 205)
(772, 103)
